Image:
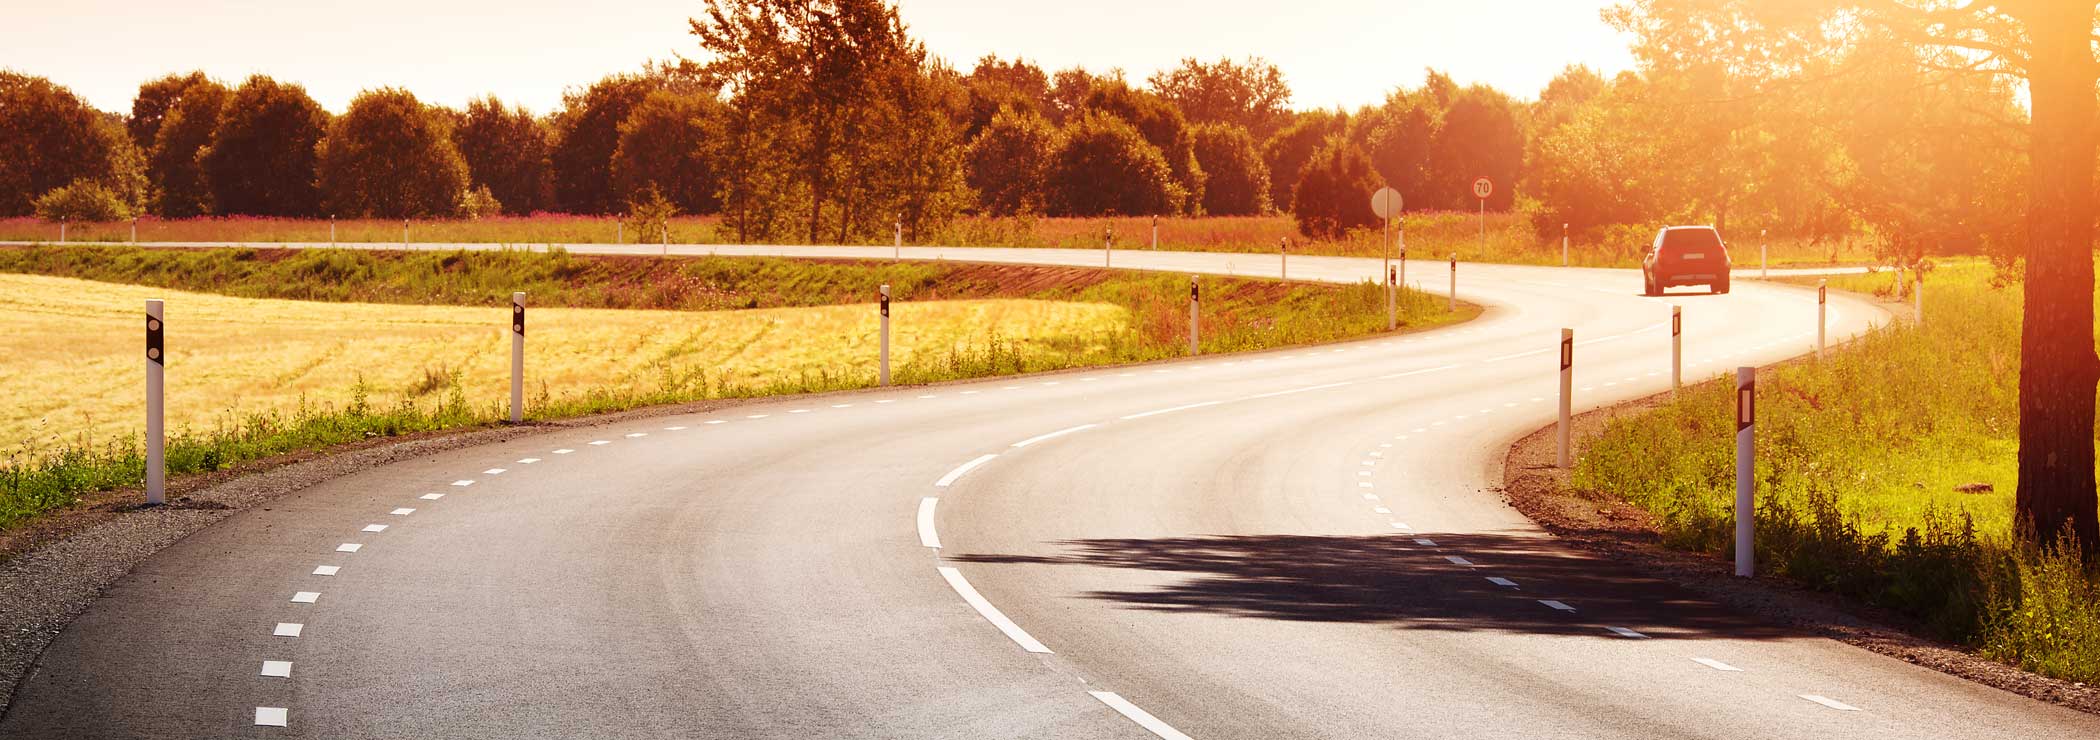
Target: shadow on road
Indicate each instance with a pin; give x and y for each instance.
(1389, 579)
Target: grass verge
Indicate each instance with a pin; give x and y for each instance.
(388, 343)
(1885, 475)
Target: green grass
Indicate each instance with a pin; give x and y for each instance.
(1858, 459)
(1238, 314)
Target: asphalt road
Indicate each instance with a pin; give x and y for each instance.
(1288, 544)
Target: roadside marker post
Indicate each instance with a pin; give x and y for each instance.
(1453, 297)
(1392, 286)
(1822, 313)
(1108, 245)
(619, 232)
(517, 357)
(1283, 259)
(62, 231)
(885, 373)
(156, 431)
(1195, 299)
(1764, 265)
(1745, 470)
(1919, 294)
(1676, 348)
(331, 229)
(1567, 389)
(897, 253)
(1564, 245)
(134, 229)
(404, 233)
(1155, 231)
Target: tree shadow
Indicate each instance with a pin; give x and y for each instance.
(1396, 580)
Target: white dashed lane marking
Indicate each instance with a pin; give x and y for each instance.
(1052, 435)
(349, 547)
(431, 496)
(463, 483)
(375, 528)
(277, 668)
(402, 512)
(1425, 542)
(1557, 605)
(600, 442)
(327, 570)
(1456, 560)
(531, 460)
(1623, 632)
(288, 629)
(634, 435)
(306, 597)
(270, 716)
(563, 451)
(991, 613)
(1503, 582)
(1716, 665)
(1829, 702)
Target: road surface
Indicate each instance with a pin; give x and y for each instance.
(1297, 543)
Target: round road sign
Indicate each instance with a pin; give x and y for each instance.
(1482, 188)
(1386, 202)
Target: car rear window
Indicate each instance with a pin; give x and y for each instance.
(1681, 240)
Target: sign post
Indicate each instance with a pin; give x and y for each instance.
(1745, 470)
(1567, 389)
(156, 432)
(1386, 204)
(885, 373)
(1195, 298)
(517, 357)
(1676, 348)
(1482, 188)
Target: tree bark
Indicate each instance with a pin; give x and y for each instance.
(2058, 367)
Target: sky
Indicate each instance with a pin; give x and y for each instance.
(1332, 52)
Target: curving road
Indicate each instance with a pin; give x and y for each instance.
(1298, 543)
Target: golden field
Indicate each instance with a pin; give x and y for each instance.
(75, 349)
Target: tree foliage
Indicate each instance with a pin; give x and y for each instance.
(261, 160)
(1236, 181)
(1287, 152)
(50, 138)
(506, 152)
(188, 117)
(1163, 127)
(1334, 191)
(586, 134)
(1250, 94)
(83, 200)
(1104, 166)
(664, 145)
(1009, 160)
(389, 156)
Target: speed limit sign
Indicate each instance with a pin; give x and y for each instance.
(1482, 188)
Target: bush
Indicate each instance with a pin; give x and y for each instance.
(1334, 191)
(1006, 162)
(479, 202)
(83, 200)
(1104, 166)
(1237, 181)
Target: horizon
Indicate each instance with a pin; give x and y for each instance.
(335, 58)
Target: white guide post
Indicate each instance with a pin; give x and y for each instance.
(1195, 299)
(1676, 348)
(1567, 390)
(404, 232)
(1745, 470)
(1283, 259)
(897, 251)
(1453, 297)
(156, 430)
(1155, 232)
(517, 358)
(884, 375)
(1822, 313)
(1563, 245)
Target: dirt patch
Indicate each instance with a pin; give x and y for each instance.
(1607, 524)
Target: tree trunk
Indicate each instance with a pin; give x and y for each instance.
(2058, 368)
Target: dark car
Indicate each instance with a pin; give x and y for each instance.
(1685, 255)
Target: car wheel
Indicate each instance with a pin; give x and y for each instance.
(1648, 287)
(1720, 286)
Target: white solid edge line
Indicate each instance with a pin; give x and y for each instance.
(1517, 355)
(926, 534)
(1829, 702)
(1053, 435)
(952, 475)
(1715, 664)
(1172, 410)
(991, 613)
(1141, 717)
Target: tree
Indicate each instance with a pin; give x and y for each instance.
(1251, 95)
(2048, 44)
(1334, 191)
(50, 138)
(1008, 162)
(1162, 125)
(261, 160)
(389, 156)
(997, 85)
(1479, 137)
(188, 116)
(663, 145)
(834, 108)
(1399, 136)
(151, 105)
(1103, 166)
(1237, 182)
(586, 133)
(506, 152)
(1287, 152)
